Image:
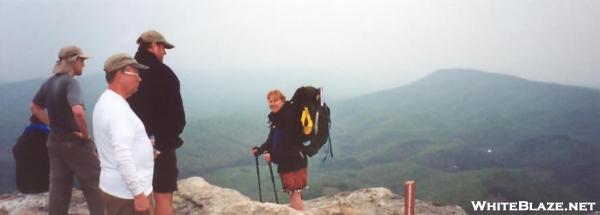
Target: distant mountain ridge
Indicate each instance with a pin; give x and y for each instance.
(480, 97)
(483, 129)
(478, 108)
(461, 134)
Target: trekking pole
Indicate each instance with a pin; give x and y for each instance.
(273, 182)
(258, 176)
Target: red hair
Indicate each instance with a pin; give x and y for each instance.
(277, 93)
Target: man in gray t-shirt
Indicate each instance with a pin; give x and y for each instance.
(59, 103)
(58, 95)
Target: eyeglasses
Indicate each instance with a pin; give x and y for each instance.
(132, 73)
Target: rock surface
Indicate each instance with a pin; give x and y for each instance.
(196, 196)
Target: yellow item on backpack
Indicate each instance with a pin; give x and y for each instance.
(307, 123)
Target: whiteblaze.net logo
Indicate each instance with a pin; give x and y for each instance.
(530, 206)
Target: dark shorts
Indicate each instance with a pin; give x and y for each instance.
(165, 172)
(296, 181)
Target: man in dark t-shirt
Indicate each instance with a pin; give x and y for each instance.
(59, 103)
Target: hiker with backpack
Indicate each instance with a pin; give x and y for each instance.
(284, 147)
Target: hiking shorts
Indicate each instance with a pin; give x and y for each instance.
(295, 181)
(165, 172)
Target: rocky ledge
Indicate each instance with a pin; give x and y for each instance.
(196, 196)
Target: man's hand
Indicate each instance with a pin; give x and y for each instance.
(152, 142)
(40, 113)
(156, 153)
(79, 116)
(82, 136)
(141, 202)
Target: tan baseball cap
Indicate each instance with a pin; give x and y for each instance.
(71, 53)
(118, 61)
(153, 36)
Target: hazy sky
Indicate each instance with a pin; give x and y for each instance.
(370, 45)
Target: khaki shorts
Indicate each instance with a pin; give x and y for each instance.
(296, 181)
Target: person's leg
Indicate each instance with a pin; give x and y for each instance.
(165, 182)
(164, 203)
(86, 166)
(294, 183)
(152, 204)
(61, 179)
(296, 200)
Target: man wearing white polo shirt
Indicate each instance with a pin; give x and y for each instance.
(126, 153)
